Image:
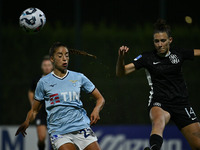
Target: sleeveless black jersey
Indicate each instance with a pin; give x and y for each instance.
(164, 74)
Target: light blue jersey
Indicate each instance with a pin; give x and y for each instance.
(65, 112)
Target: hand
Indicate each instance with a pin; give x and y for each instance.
(123, 50)
(22, 128)
(94, 117)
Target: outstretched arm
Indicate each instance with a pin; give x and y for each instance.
(196, 52)
(30, 117)
(94, 117)
(121, 68)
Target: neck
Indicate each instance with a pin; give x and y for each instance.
(60, 73)
(164, 54)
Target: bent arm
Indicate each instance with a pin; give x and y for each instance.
(122, 69)
(196, 52)
(100, 101)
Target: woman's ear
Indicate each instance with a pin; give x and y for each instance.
(170, 40)
(52, 59)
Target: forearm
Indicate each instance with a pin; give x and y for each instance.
(36, 106)
(31, 97)
(120, 69)
(196, 52)
(31, 116)
(99, 104)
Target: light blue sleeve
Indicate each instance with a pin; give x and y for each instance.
(87, 85)
(39, 91)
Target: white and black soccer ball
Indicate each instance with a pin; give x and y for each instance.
(32, 20)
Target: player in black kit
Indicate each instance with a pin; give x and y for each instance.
(46, 67)
(168, 95)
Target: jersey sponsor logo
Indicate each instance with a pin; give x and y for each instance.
(174, 59)
(54, 98)
(67, 96)
(155, 63)
(73, 96)
(138, 57)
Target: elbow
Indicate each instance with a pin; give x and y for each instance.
(103, 102)
(119, 74)
(35, 114)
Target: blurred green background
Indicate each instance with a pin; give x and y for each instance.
(126, 98)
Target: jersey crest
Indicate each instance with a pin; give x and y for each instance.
(174, 59)
(74, 82)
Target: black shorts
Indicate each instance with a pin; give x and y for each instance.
(41, 116)
(182, 113)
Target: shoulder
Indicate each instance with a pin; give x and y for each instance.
(46, 78)
(144, 55)
(77, 76)
(180, 50)
(176, 50)
(74, 73)
(148, 53)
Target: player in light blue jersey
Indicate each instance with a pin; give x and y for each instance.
(67, 121)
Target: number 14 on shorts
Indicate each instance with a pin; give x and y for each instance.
(190, 112)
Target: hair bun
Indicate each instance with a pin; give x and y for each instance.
(161, 26)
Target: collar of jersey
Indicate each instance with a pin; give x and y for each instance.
(168, 54)
(58, 76)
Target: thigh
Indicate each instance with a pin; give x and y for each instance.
(93, 146)
(159, 119)
(157, 113)
(62, 142)
(41, 131)
(192, 134)
(67, 146)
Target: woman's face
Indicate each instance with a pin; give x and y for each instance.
(60, 58)
(162, 42)
(46, 66)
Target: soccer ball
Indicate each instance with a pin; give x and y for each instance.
(32, 20)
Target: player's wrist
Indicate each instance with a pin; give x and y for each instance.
(97, 108)
(27, 122)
